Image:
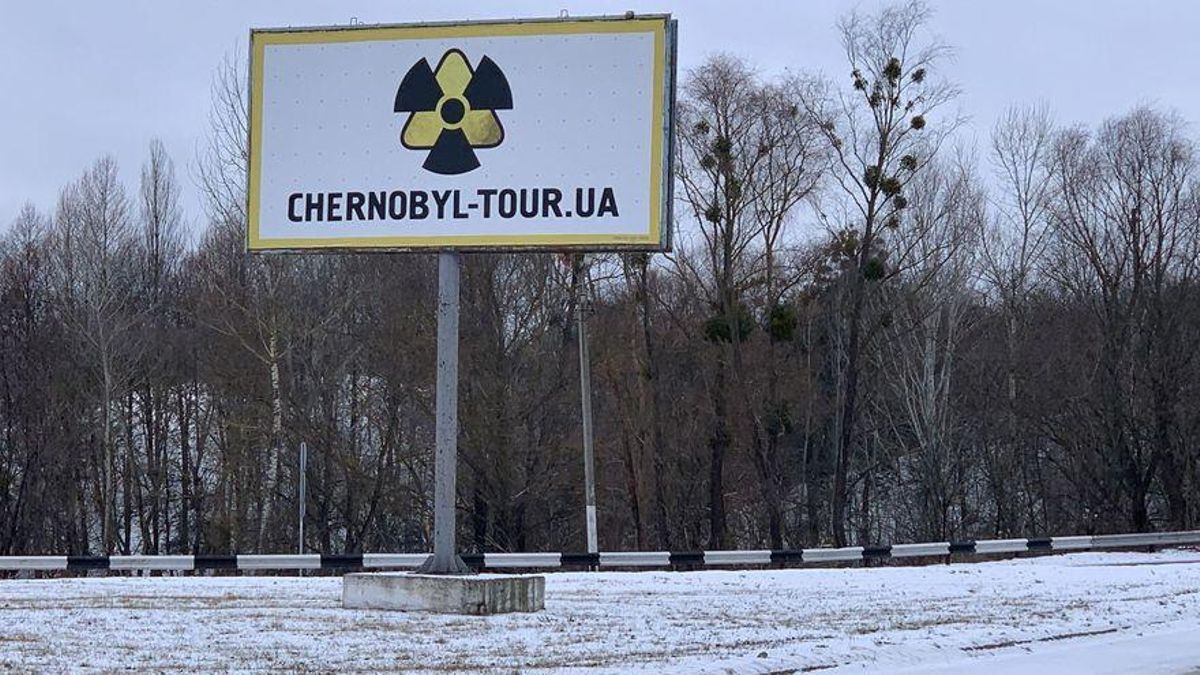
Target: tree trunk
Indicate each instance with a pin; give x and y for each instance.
(718, 447)
(274, 452)
(185, 470)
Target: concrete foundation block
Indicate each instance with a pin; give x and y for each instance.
(478, 594)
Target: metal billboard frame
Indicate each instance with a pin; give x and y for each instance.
(663, 140)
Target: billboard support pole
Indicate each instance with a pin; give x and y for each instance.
(445, 559)
(585, 387)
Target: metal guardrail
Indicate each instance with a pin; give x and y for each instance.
(614, 559)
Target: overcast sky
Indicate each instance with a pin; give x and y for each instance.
(82, 79)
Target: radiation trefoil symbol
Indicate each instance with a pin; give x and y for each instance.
(452, 111)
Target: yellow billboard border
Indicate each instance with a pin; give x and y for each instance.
(655, 239)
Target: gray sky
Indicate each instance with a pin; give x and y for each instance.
(81, 79)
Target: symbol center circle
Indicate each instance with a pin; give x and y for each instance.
(453, 110)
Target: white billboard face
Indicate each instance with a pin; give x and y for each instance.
(546, 135)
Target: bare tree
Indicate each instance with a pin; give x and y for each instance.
(936, 254)
(160, 249)
(220, 167)
(881, 134)
(794, 168)
(747, 158)
(95, 244)
(720, 133)
(1013, 249)
(1125, 232)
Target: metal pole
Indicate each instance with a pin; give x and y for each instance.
(585, 387)
(445, 558)
(303, 491)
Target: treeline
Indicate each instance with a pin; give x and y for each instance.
(864, 334)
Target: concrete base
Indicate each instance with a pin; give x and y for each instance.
(445, 594)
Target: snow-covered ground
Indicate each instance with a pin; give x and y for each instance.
(1089, 612)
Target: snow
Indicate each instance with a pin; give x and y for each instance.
(1087, 612)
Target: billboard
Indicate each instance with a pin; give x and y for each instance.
(546, 134)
